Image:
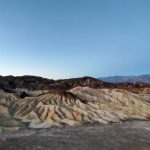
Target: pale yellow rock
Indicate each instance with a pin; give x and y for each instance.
(4, 111)
(10, 129)
(77, 106)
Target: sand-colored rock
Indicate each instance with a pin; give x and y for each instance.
(4, 111)
(74, 107)
(7, 99)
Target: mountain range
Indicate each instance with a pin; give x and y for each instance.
(130, 79)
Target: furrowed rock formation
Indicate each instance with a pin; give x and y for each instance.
(77, 106)
(118, 101)
(70, 102)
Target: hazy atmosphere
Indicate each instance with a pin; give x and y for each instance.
(66, 38)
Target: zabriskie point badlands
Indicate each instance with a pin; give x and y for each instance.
(74, 74)
(28, 103)
(33, 102)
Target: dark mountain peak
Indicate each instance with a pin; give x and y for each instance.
(10, 83)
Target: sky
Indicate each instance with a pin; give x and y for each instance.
(73, 38)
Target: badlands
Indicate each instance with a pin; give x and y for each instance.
(34, 102)
(79, 113)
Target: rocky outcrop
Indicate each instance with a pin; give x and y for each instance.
(27, 84)
(74, 107)
(8, 83)
(35, 102)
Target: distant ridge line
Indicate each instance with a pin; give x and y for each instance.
(131, 79)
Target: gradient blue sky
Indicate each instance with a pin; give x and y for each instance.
(72, 38)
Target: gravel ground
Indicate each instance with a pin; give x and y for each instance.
(132, 135)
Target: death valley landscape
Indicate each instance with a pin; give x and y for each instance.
(73, 113)
(74, 74)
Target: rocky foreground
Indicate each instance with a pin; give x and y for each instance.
(133, 135)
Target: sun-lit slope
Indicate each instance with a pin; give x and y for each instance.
(116, 100)
(6, 99)
(50, 109)
(7, 122)
(80, 105)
